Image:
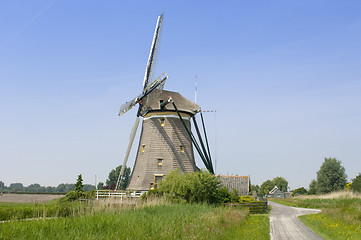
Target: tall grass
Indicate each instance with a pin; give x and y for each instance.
(29, 211)
(180, 221)
(57, 208)
(333, 195)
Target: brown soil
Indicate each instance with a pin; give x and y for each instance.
(28, 198)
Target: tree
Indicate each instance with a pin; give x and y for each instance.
(254, 188)
(113, 178)
(88, 187)
(356, 183)
(35, 187)
(16, 187)
(331, 176)
(60, 187)
(79, 184)
(281, 183)
(77, 193)
(100, 186)
(266, 187)
(2, 186)
(313, 187)
(195, 187)
(299, 191)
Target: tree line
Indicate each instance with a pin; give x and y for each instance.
(67, 187)
(330, 177)
(37, 188)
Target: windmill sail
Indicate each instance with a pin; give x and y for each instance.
(153, 51)
(150, 93)
(156, 88)
(127, 106)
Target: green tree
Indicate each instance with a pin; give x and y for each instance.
(79, 184)
(299, 191)
(266, 187)
(100, 186)
(60, 187)
(50, 189)
(281, 183)
(113, 178)
(254, 188)
(77, 193)
(196, 187)
(16, 187)
(35, 187)
(2, 186)
(356, 183)
(313, 187)
(331, 176)
(88, 187)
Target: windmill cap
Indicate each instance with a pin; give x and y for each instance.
(183, 104)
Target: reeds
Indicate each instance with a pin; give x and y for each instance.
(167, 221)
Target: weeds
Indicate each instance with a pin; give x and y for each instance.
(176, 221)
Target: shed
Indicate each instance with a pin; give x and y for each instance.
(239, 183)
(276, 193)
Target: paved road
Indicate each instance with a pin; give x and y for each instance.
(285, 225)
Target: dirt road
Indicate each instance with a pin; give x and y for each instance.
(285, 225)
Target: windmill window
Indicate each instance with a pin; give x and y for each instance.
(158, 178)
(162, 122)
(143, 147)
(181, 148)
(160, 161)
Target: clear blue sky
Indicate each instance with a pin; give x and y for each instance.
(284, 77)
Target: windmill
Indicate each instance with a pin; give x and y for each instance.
(166, 140)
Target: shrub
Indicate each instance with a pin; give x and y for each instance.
(356, 184)
(246, 199)
(72, 196)
(299, 191)
(196, 187)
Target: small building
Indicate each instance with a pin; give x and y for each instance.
(276, 193)
(239, 183)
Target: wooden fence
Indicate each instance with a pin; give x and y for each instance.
(118, 194)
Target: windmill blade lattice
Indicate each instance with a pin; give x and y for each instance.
(153, 51)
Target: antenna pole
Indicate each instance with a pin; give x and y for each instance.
(195, 90)
(96, 188)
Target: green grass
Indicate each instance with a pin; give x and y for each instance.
(340, 218)
(255, 227)
(176, 221)
(17, 211)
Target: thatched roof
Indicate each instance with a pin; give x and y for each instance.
(182, 103)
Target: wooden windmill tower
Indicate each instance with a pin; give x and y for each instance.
(166, 141)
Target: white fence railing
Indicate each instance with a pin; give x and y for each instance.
(118, 194)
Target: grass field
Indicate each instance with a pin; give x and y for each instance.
(340, 217)
(170, 221)
(17, 211)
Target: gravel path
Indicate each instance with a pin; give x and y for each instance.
(285, 225)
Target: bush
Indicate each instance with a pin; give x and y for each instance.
(356, 184)
(299, 191)
(72, 196)
(196, 187)
(246, 199)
